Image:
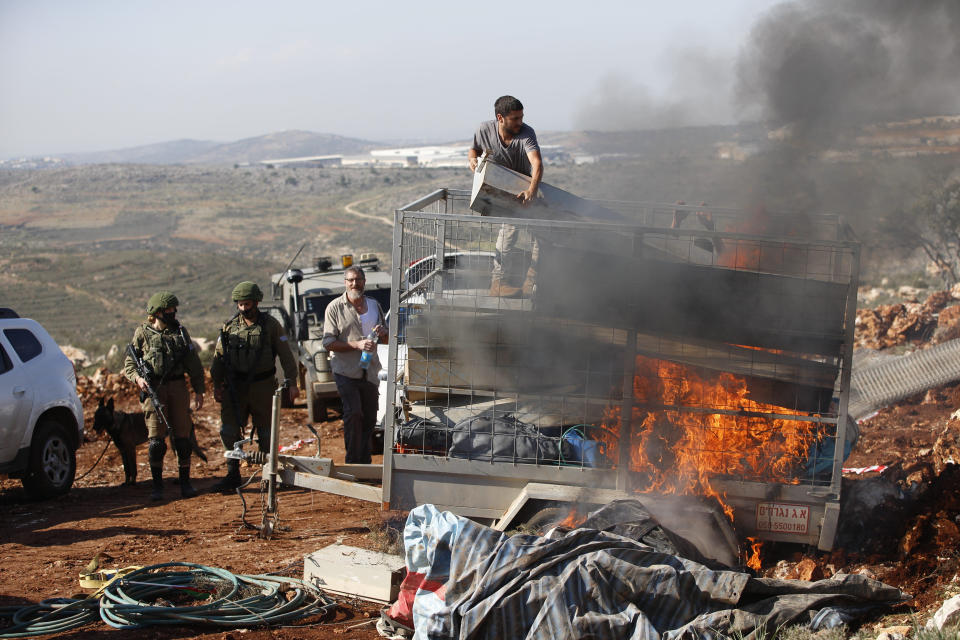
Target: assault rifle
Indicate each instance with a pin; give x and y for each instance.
(147, 374)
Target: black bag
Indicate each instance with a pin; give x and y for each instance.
(500, 437)
(420, 435)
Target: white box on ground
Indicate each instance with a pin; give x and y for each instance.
(350, 571)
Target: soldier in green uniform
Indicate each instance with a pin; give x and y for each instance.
(165, 346)
(243, 372)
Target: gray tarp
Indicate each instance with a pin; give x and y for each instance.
(597, 584)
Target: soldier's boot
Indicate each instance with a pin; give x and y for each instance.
(156, 450)
(231, 481)
(156, 493)
(186, 489)
(530, 283)
(183, 458)
(500, 289)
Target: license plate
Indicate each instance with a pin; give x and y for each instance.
(782, 517)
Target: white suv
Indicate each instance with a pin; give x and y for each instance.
(41, 417)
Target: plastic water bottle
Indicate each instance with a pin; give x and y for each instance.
(367, 356)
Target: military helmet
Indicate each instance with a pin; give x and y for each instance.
(247, 291)
(160, 301)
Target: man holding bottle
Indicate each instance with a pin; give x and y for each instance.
(353, 325)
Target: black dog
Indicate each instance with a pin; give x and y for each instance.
(128, 430)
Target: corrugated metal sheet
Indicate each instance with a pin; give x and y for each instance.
(881, 381)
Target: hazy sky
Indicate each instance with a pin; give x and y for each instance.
(86, 75)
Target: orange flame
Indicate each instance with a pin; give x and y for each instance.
(765, 256)
(753, 554)
(690, 426)
(572, 520)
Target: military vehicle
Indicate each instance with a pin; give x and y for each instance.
(302, 296)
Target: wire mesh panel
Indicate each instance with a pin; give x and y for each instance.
(523, 344)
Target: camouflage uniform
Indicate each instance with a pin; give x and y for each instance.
(247, 354)
(170, 354)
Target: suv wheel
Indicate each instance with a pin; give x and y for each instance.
(53, 461)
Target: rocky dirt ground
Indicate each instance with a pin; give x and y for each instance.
(45, 545)
(901, 525)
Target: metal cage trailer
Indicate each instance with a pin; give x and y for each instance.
(697, 359)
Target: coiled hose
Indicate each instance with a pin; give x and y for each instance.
(158, 595)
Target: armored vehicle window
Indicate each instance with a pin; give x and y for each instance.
(317, 305)
(24, 343)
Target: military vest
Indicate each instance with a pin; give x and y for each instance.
(164, 352)
(248, 349)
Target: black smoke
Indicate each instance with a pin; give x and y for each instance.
(821, 64)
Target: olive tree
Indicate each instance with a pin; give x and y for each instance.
(933, 223)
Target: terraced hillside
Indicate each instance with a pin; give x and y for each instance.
(81, 249)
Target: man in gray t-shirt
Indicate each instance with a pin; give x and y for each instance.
(513, 144)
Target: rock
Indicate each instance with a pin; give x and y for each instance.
(937, 301)
(917, 477)
(807, 569)
(946, 531)
(946, 449)
(871, 294)
(204, 344)
(955, 291)
(78, 357)
(113, 352)
(894, 633)
(99, 375)
(947, 615)
(911, 324)
(912, 537)
(781, 571)
(911, 294)
(948, 324)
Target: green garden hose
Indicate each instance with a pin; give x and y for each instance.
(158, 595)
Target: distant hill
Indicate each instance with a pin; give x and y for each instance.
(295, 143)
(172, 152)
(934, 135)
(284, 144)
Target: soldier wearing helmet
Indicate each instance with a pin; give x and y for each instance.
(166, 347)
(243, 373)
